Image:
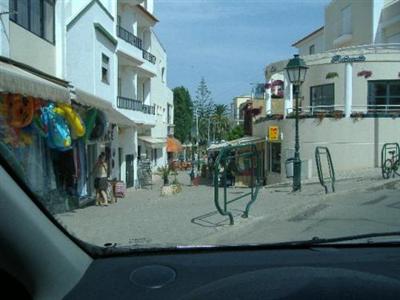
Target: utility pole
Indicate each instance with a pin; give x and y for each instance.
(197, 140)
(208, 132)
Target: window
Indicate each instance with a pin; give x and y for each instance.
(384, 95)
(105, 66)
(169, 115)
(37, 16)
(311, 49)
(163, 74)
(346, 21)
(323, 97)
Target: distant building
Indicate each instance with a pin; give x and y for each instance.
(236, 114)
(350, 100)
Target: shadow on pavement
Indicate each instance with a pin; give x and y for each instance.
(215, 219)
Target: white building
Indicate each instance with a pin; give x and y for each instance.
(109, 53)
(354, 63)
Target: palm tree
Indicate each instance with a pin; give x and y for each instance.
(220, 121)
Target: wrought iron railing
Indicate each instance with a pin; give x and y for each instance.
(133, 104)
(149, 57)
(148, 109)
(129, 37)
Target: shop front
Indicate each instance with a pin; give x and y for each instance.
(51, 141)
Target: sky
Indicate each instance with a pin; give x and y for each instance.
(229, 42)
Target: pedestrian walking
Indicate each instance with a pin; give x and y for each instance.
(100, 181)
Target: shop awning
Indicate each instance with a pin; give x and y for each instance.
(114, 116)
(154, 143)
(247, 140)
(31, 82)
(173, 145)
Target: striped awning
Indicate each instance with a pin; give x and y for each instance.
(17, 80)
(174, 145)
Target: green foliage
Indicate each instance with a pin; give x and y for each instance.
(204, 106)
(235, 133)
(183, 112)
(220, 122)
(164, 172)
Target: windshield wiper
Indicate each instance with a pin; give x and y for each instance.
(319, 241)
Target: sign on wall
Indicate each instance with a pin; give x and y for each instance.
(344, 59)
(273, 133)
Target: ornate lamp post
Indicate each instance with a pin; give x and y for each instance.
(296, 70)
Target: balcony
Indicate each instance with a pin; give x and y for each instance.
(129, 37)
(136, 105)
(149, 57)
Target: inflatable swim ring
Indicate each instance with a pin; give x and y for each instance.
(20, 110)
(59, 135)
(73, 119)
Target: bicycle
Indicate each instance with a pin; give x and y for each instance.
(391, 166)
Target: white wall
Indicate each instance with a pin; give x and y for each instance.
(161, 95)
(354, 144)
(32, 50)
(317, 41)
(85, 45)
(4, 30)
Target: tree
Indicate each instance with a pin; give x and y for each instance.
(235, 133)
(220, 121)
(204, 106)
(183, 112)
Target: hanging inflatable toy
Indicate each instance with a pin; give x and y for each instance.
(59, 135)
(73, 119)
(20, 110)
(101, 126)
(90, 121)
(40, 128)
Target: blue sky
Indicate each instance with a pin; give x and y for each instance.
(229, 42)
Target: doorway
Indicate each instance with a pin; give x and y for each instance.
(129, 170)
(91, 161)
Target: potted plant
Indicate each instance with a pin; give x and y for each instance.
(164, 173)
(331, 75)
(320, 115)
(337, 114)
(357, 115)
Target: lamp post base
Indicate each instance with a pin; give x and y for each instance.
(296, 175)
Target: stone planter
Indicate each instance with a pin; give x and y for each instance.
(169, 190)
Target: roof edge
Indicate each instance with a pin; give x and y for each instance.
(308, 36)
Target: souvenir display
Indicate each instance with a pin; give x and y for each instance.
(72, 117)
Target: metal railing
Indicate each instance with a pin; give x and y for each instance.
(377, 108)
(312, 109)
(133, 104)
(129, 37)
(149, 57)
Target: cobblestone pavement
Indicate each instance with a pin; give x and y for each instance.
(145, 219)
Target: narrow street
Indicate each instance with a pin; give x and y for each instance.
(360, 205)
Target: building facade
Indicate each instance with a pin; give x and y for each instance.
(350, 100)
(111, 57)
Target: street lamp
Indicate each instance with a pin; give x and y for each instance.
(296, 70)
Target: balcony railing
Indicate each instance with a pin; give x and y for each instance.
(129, 37)
(148, 109)
(149, 57)
(133, 104)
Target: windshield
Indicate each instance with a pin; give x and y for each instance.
(157, 124)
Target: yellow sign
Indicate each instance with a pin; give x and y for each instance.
(273, 133)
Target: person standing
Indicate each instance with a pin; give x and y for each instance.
(100, 181)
